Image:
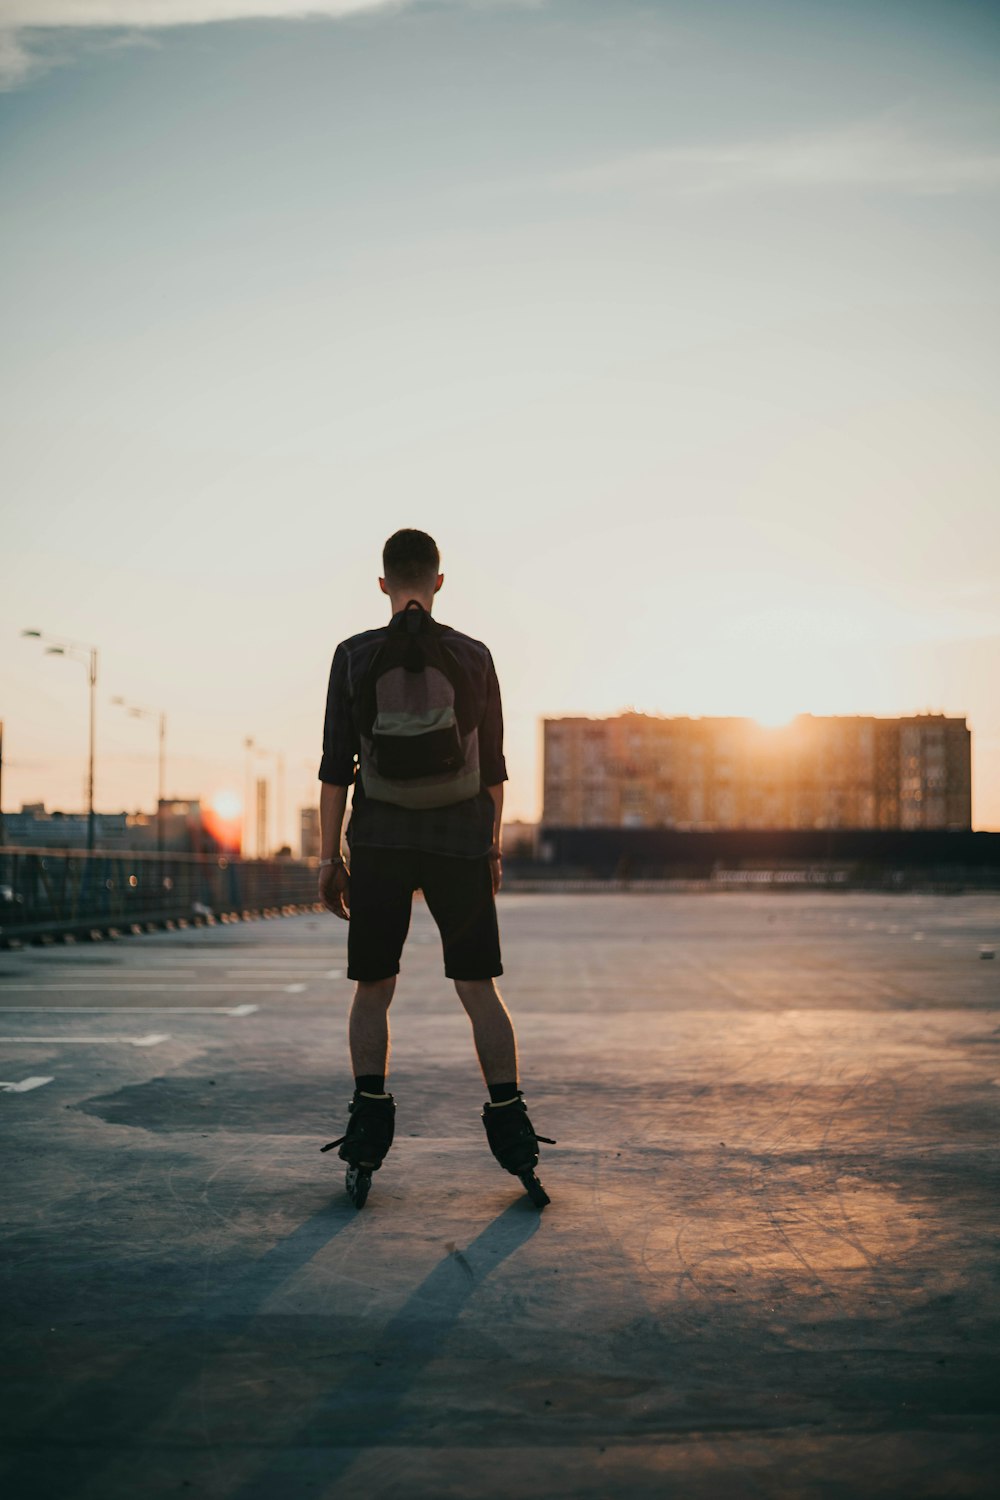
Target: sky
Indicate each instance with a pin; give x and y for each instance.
(675, 324)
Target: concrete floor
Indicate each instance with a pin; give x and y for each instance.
(769, 1267)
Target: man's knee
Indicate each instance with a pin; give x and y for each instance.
(475, 993)
(374, 992)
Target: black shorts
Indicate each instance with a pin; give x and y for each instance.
(459, 896)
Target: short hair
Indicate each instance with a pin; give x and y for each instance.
(410, 558)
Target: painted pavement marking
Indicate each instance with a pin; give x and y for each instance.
(142, 984)
(130, 1010)
(24, 1086)
(152, 1040)
(119, 971)
(283, 971)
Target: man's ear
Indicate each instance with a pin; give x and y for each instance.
(382, 585)
(440, 580)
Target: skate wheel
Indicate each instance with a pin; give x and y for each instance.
(534, 1189)
(357, 1183)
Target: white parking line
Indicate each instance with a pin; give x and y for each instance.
(152, 1040)
(60, 966)
(131, 1010)
(24, 1086)
(142, 984)
(283, 971)
(298, 976)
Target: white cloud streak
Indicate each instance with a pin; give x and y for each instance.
(25, 24)
(50, 13)
(866, 155)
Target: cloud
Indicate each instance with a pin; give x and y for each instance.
(63, 13)
(16, 63)
(866, 155)
(27, 26)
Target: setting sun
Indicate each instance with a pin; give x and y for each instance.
(224, 819)
(228, 805)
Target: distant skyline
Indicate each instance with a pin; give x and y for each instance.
(675, 325)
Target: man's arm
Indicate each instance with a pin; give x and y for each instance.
(334, 884)
(492, 763)
(332, 807)
(491, 757)
(496, 792)
(496, 857)
(336, 773)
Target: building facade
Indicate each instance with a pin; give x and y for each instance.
(309, 832)
(184, 829)
(640, 771)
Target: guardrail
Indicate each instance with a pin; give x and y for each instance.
(53, 892)
(521, 884)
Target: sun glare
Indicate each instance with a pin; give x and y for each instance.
(227, 805)
(223, 819)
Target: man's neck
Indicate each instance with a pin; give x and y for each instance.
(400, 602)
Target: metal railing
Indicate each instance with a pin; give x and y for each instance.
(58, 891)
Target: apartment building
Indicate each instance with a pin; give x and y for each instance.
(309, 832)
(640, 771)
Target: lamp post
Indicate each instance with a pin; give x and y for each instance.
(73, 649)
(139, 711)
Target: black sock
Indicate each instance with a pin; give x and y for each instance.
(501, 1092)
(370, 1083)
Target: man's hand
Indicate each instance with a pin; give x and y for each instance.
(496, 869)
(335, 890)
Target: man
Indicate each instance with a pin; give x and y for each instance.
(414, 724)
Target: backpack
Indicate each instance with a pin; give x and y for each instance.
(418, 735)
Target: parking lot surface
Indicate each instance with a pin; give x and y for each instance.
(769, 1267)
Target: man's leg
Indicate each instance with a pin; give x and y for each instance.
(381, 892)
(459, 895)
(492, 1029)
(372, 1122)
(509, 1131)
(368, 1028)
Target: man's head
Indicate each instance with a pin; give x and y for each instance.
(411, 568)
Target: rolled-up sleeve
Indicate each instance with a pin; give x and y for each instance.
(339, 734)
(492, 766)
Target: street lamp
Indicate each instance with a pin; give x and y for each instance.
(139, 711)
(72, 649)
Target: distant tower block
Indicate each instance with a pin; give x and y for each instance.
(641, 771)
(309, 834)
(261, 817)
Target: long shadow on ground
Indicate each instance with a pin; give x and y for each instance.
(105, 1416)
(350, 1415)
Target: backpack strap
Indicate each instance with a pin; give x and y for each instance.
(414, 619)
(410, 623)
